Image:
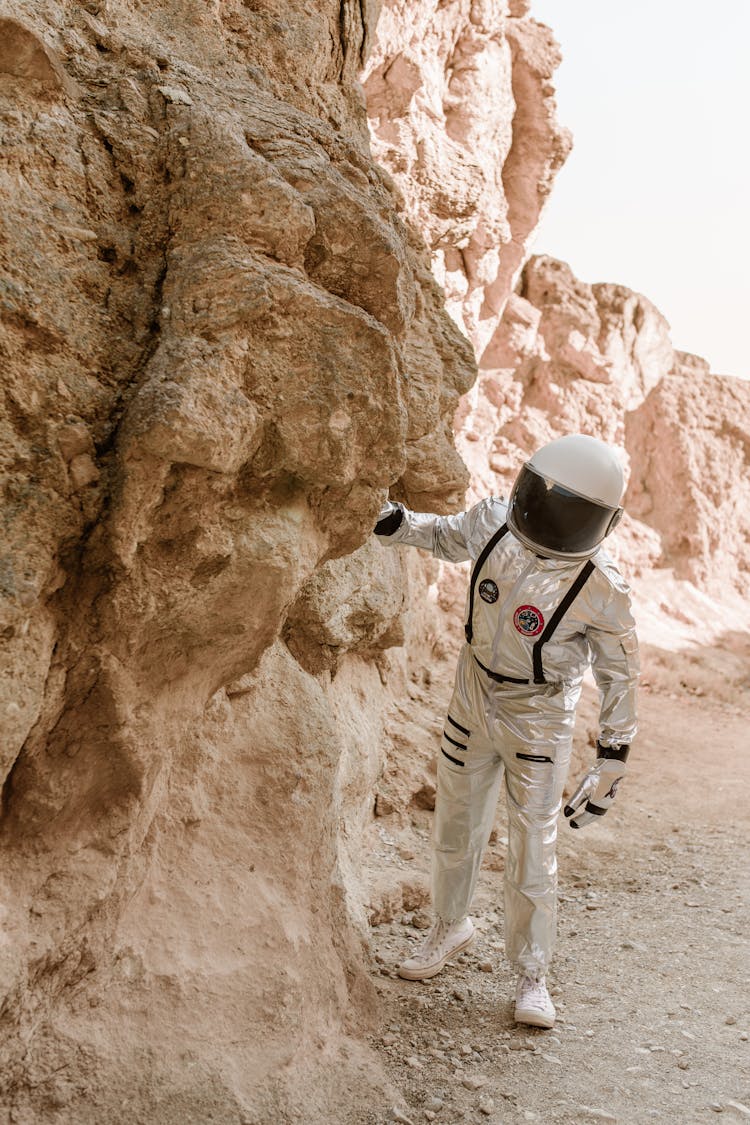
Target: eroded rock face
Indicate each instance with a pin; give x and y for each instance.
(462, 114)
(689, 446)
(570, 357)
(222, 345)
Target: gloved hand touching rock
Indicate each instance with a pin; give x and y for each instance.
(598, 789)
(390, 518)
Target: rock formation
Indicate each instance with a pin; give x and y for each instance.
(573, 357)
(462, 114)
(222, 343)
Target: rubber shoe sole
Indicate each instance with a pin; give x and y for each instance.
(433, 970)
(532, 1018)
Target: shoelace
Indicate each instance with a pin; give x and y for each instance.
(533, 993)
(434, 942)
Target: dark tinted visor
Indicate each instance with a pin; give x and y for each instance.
(555, 519)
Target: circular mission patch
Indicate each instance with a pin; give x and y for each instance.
(488, 591)
(528, 620)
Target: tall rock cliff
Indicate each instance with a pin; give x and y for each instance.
(223, 343)
(462, 113)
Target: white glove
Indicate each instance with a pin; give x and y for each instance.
(599, 786)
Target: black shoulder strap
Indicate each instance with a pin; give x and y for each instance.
(481, 560)
(580, 581)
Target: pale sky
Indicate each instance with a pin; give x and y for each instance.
(656, 192)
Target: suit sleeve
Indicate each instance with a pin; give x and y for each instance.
(446, 537)
(613, 645)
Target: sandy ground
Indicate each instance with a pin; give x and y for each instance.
(652, 975)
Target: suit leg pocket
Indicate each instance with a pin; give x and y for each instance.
(454, 744)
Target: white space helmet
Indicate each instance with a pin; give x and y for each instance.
(567, 497)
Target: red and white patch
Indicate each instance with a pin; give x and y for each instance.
(528, 620)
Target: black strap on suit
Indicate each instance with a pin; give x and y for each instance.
(481, 560)
(582, 578)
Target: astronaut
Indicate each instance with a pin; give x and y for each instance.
(544, 602)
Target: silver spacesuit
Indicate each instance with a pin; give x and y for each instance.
(533, 624)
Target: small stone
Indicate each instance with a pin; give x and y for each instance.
(729, 1021)
(80, 234)
(82, 471)
(743, 1037)
(424, 798)
(717, 1107)
(174, 95)
(551, 1059)
(459, 994)
(388, 1039)
(474, 1081)
(636, 946)
(72, 439)
(434, 1104)
(383, 806)
(399, 1115)
(430, 1114)
(485, 967)
(414, 1062)
(683, 1064)
(486, 1106)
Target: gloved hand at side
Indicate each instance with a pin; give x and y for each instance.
(599, 787)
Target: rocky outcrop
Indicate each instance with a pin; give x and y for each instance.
(598, 359)
(689, 446)
(211, 314)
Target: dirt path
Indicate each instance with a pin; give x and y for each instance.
(652, 977)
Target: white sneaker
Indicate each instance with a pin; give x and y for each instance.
(444, 941)
(533, 1003)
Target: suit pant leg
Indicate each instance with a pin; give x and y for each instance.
(534, 789)
(468, 785)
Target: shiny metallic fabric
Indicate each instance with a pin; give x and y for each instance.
(520, 732)
(512, 735)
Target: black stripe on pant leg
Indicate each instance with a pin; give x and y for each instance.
(597, 810)
(458, 745)
(534, 758)
(459, 727)
(450, 758)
